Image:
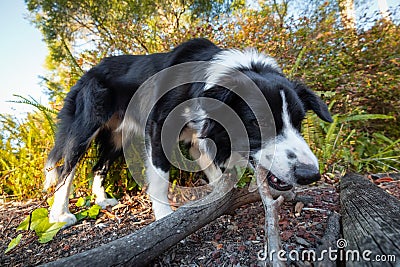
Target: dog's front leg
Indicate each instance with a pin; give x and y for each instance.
(99, 192)
(158, 183)
(206, 164)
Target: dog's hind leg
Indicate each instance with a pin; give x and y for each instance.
(109, 149)
(76, 146)
(59, 211)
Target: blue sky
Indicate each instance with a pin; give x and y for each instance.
(22, 56)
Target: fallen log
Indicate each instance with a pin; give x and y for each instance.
(371, 223)
(329, 240)
(144, 245)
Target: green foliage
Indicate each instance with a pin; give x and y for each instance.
(47, 112)
(14, 242)
(23, 148)
(246, 175)
(33, 220)
(339, 146)
(91, 213)
(86, 211)
(37, 221)
(82, 202)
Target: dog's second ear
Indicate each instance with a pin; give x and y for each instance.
(312, 102)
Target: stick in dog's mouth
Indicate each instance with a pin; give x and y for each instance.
(276, 183)
(272, 180)
(272, 238)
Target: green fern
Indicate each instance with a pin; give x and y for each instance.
(47, 112)
(340, 145)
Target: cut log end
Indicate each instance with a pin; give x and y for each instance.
(370, 219)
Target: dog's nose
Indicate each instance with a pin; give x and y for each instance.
(306, 174)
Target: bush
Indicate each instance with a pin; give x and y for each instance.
(355, 70)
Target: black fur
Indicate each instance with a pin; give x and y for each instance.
(106, 90)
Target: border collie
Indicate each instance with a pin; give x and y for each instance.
(97, 108)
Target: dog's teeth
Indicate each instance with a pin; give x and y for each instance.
(275, 180)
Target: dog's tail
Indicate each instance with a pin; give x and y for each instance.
(79, 119)
(65, 118)
(51, 170)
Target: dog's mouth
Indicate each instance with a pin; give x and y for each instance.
(273, 181)
(276, 183)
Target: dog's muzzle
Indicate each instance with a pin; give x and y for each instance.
(306, 174)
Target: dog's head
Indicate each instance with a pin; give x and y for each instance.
(287, 156)
(272, 116)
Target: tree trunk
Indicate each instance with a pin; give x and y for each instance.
(384, 10)
(348, 14)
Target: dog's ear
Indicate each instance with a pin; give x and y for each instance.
(312, 102)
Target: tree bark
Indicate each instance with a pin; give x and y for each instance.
(370, 220)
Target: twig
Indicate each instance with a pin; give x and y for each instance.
(316, 209)
(8, 224)
(272, 239)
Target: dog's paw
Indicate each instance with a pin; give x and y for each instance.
(162, 212)
(104, 203)
(66, 217)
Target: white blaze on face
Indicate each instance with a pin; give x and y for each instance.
(286, 150)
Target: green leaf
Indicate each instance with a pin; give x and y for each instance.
(364, 117)
(245, 174)
(383, 138)
(50, 201)
(81, 202)
(36, 217)
(13, 243)
(50, 232)
(46, 230)
(42, 226)
(91, 213)
(81, 215)
(94, 211)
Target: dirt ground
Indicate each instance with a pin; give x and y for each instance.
(231, 240)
